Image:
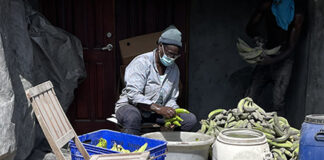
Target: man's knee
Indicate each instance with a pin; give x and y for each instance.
(129, 116)
(189, 121)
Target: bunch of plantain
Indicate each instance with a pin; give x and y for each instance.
(256, 54)
(176, 119)
(142, 148)
(282, 138)
(119, 148)
(102, 143)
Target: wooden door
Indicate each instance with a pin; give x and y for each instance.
(93, 22)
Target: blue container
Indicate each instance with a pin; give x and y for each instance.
(157, 148)
(311, 145)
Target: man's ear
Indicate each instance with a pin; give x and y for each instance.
(158, 48)
(160, 45)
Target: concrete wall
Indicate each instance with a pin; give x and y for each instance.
(218, 77)
(315, 46)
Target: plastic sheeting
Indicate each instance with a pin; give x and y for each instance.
(33, 52)
(7, 138)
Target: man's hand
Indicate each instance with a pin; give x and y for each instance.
(266, 60)
(259, 41)
(169, 128)
(166, 112)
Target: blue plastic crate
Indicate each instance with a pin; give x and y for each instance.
(130, 142)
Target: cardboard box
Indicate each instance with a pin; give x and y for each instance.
(131, 47)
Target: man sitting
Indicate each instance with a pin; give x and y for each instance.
(151, 87)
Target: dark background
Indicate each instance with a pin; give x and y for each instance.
(213, 74)
(217, 77)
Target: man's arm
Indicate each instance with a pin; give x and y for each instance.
(174, 95)
(256, 19)
(173, 100)
(166, 112)
(293, 39)
(135, 78)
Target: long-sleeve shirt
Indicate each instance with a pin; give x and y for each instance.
(143, 83)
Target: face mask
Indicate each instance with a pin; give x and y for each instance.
(165, 60)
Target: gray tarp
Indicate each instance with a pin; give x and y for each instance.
(33, 52)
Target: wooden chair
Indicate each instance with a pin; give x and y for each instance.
(57, 128)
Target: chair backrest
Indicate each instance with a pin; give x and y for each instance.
(52, 119)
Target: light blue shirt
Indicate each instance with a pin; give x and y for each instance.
(143, 83)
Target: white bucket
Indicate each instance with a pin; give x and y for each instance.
(184, 145)
(241, 144)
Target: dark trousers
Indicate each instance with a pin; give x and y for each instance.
(131, 118)
(279, 74)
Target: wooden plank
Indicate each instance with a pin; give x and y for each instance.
(90, 23)
(59, 155)
(99, 99)
(90, 110)
(99, 18)
(39, 89)
(122, 156)
(57, 105)
(57, 113)
(65, 138)
(50, 116)
(45, 117)
(46, 131)
(108, 23)
(81, 149)
(78, 21)
(83, 99)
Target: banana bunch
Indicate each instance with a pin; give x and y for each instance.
(176, 120)
(141, 149)
(119, 148)
(282, 138)
(102, 143)
(256, 54)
